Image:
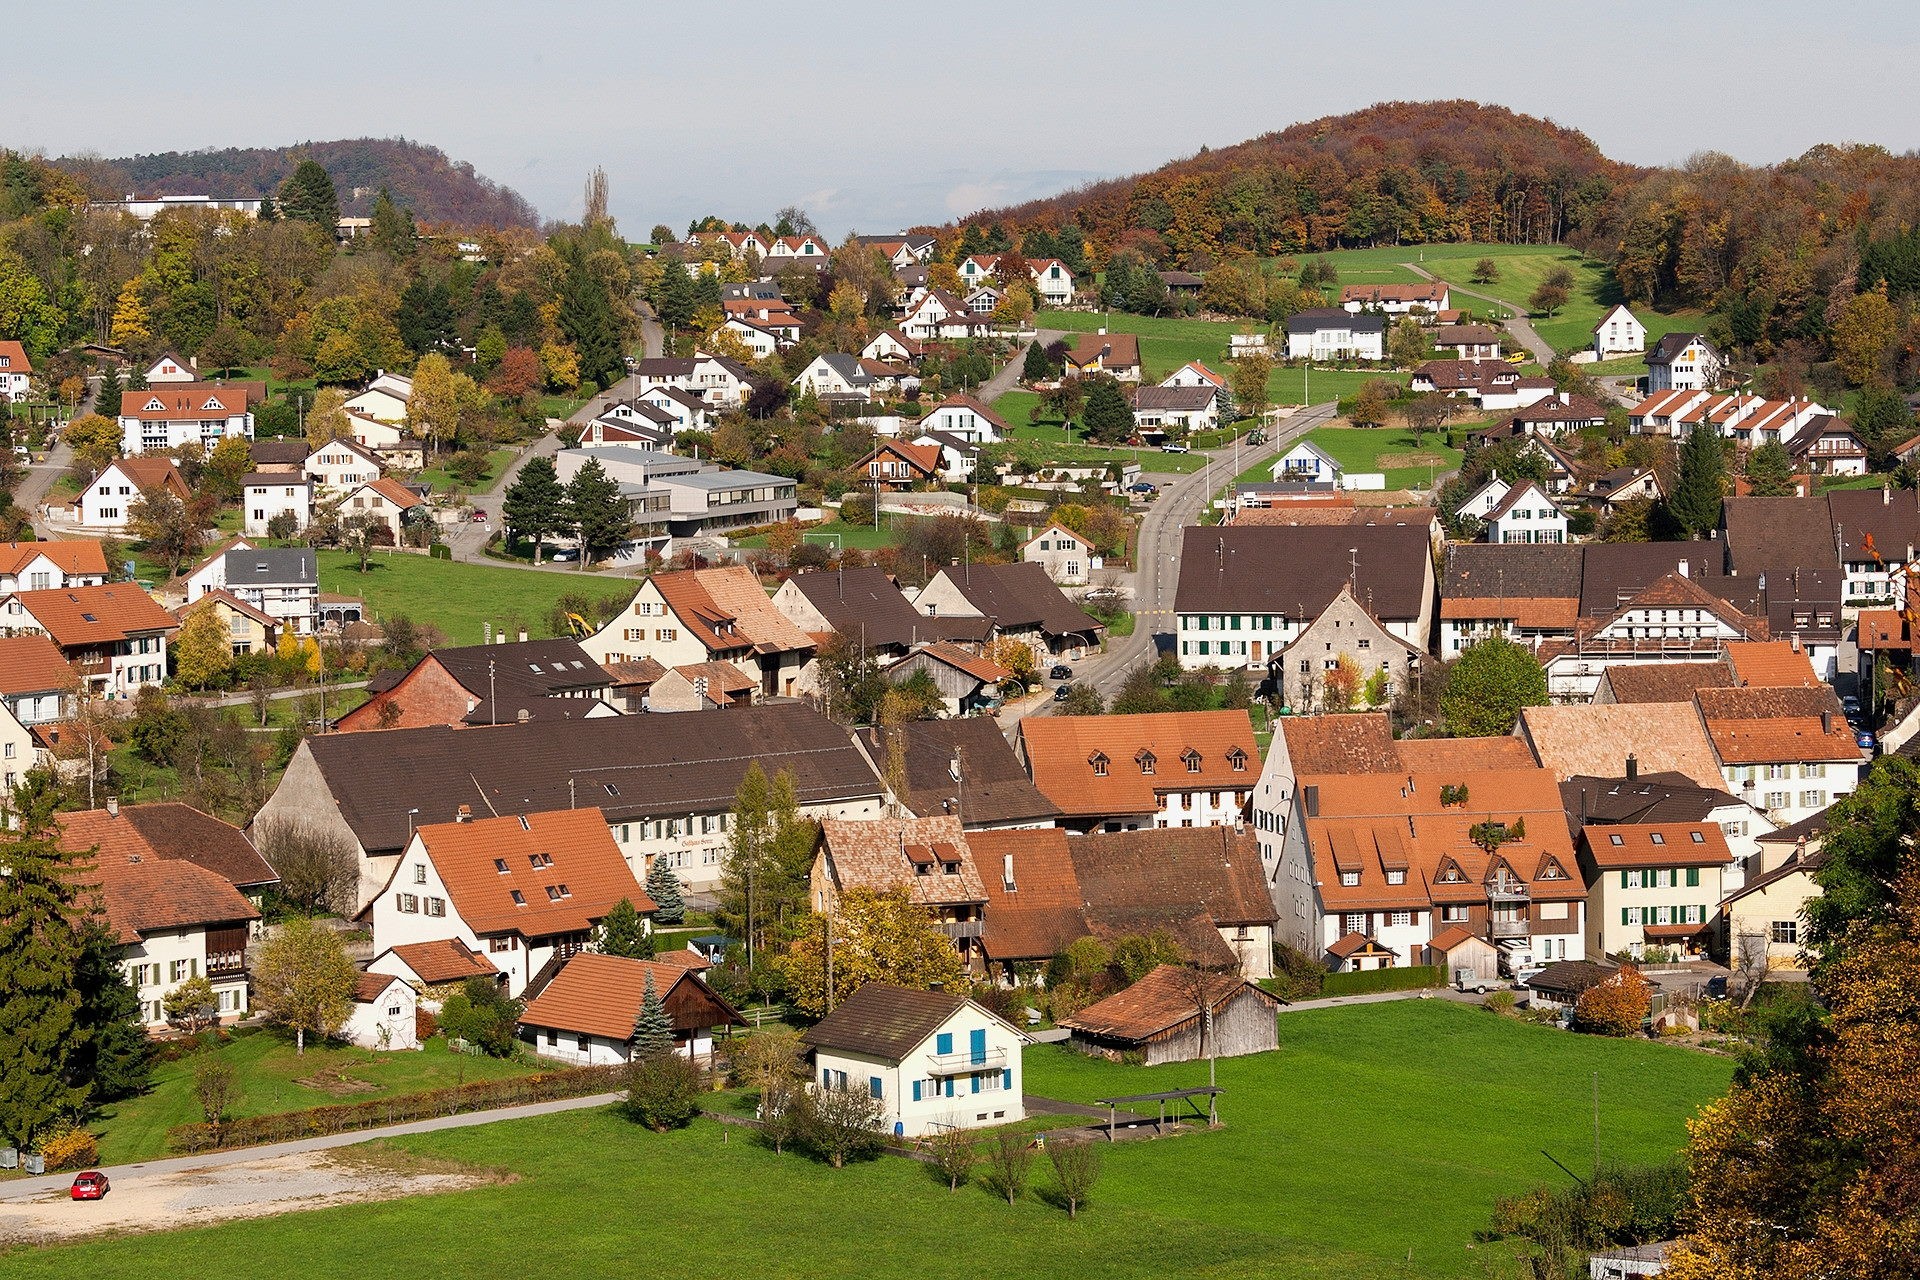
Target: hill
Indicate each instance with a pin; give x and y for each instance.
(1394, 172)
(423, 178)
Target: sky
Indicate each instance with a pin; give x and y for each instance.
(874, 117)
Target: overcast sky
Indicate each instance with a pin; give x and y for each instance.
(878, 116)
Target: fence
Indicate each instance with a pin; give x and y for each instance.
(1368, 981)
(288, 1126)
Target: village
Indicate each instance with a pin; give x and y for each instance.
(915, 698)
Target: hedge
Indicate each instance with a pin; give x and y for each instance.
(1368, 981)
(288, 1126)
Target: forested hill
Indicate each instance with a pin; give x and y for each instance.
(423, 178)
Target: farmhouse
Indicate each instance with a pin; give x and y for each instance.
(585, 1016)
(114, 636)
(1331, 333)
(708, 615)
(1021, 602)
(961, 767)
(1178, 1015)
(488, 684)
(1428, 297)
(1067, 557)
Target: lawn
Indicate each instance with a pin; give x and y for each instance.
(1386, 449)
(1371, 1145)
(460, 598)
(443, 482)
(270, 1074)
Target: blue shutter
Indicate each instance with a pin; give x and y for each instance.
(874, 1089)
(1006, 1078)
(916, 1091)
(826, 1078)
(977, 1044)
(976, 1081)
(949, 1086)
(943, 1043)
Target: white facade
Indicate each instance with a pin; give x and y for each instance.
(823, 379)
(1696, 367)
(16, 747)
(1790, 791)
(1618, 334)
(41, 573)
(149, 423)
(1486, 499)
(170, 368)
(1528, 515)
(967, 421)
(416, 907)
(1053, 280)
(1306, 463)
(1333, 340)
(1067, 557)
(385, 399)
(340, 467)
(159, 962)
(383, 1020)
(967, 1075)
(761, 342)
(265, 498)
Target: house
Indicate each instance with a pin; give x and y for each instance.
(1343, 659)
(665, 793)
(1621, 485)
(1634, 797)
(1683, 362)
(740, 244)
(488, 684)
(1618, 333)
(1334, 334)
(1865, 534)
(1175, 1014)
(280, 457)
(170, 881)
(686, 409)
(114, 637)
(1673, 620)
(384, 400)
(982, 300)
(1526, 514)
(42, 566)
(959, 459)
(172, 367)
(934, 1060)
(1527, 595)
(384, 1009)
(866, 609)
(1489, 384)
(248, 629)
(434, 969)
(1485, 500)
(700, 615)
(1827, 446)
(283, 584)
(159, 419)
(926, 857)
(266, 497)
(1430, 297)
(1181, 284)
(1195, 374)
(892, 345)
(966, 419)
(1230, 612)
(719, 382)
(760, 339)
(16, 371)
(1748, 420)
(1396, 858)
(699, 686)
(35, 681)
(835, 375)
(903, 248)
(968, 682)
(963, 767)
(1652, 885)
(1307, 463)
(1552, 415)
(1789, 750)
(1766, 915)
(339, 467)
(1020, 600)
(527, 891)
(585, 1016)
(797, 247)
(1203, 887)
(923, 318)
(1596, 740)
(1117, 355)
(387, 502)
(1561, 984)
(1467, 341)
(1052, 280)
(639, 426)
(894, 464)
(1175, 411)
(106, 504)
(1125, 772)
(1068, 558)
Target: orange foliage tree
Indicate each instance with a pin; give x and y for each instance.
(1617, 1006)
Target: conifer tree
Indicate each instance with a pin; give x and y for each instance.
(624, 933)
(596, 510)
(587, 320)
(116, 1054)
(652, 1028)
(664, 888)
(41, 1038)
(535, 505)
(1697, 493)
(108, 404)
(308, 196)
(1036, 368)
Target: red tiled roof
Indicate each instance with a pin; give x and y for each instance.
(1098, 765)
(909, 853)
(1752, 725)
(13, 357)
(140, 890)
(151, 473)
(1617, 846)
(445, 960)
(69, 555)
(1159, 1004)
(32, 664)
(96, 615)
(601, 995)
(584, 863)
(708, 599)
(1772, 663)
(395, 492)
(164, 404)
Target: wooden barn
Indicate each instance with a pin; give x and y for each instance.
(1468, 959)
(1161, 1018)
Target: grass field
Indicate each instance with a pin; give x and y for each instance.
(1386, 449)
(442, 482)
(1371, 1146)
(1049, 441)
(458, 597)
(270, 1074)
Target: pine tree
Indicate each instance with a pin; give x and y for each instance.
(1036, 368)
(535, 506)
(596, 510)
(308, 196)
(1697, 494)
(116, 1055)
(587, 319)
(624, 933)
(652, 1028)
(392, 231)
(40, 1032)
(677, 301)
(664, 888)
(1107, 417)
(108, 404)
(269, 211)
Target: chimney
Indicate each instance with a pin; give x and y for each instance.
(1633, 766)
(113, 806)
(1886, 495)
(1826, 722)
(1310, 796)
(1794, 640)
(524, 716)
(1006, 873)
(464, 813)
(1685, 569)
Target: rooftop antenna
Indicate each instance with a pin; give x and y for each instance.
(1353, 579)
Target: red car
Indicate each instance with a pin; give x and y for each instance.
(91, 1185)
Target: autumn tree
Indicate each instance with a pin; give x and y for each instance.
(433, 410)
(1249, 377)
(1489, 685)
(327, 418)
(203, 650)
(1372, 403)
(769, 857)
(1485, 271)
(174, 530)
(876, 936)
(193, 1006)
(303, 979)
(1408, 343)
(95, 441)
(1616, 1006)
(228, 464)
(318, 867)
(1340, 687)
(1864, 334)
(1553, 291)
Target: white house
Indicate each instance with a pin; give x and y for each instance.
(707, 615)
(107, 502)
(1195, 374)
(40, 566)
(283, 583)
(1618, 333)
(1787, 750)
(265, 496)
(16, 371)
(966, 418)
(1306, 463)
(1067, 557)
(1486, 499)
(1175, 410)
(383, 498)
(376, 433)
(341, 466)
(1526, 514)
(1683, 362)
(1430, 297)
(115, 635)
(835, 374)
(383, 1013)
(35, 686)
(686, 409)
(385, 399)
(172, 367)
(18, 752)
(158, 419)
(760, 340)
(933, 1059)
(1052, 280)
(925, 315)
(585, 1016)
(1329, 333)
(893, 346)
(524, 891)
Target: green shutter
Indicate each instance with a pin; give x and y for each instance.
(1623, 914)
(1693, 877)
(1623, 879)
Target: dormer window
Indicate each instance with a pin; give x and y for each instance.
(1237, 759)
(1099, 762)
(1396, 877)
(500, 865)
(1453, 875)
(1146, 760)
(519, 899)
(1349, 879)
(1191, 759)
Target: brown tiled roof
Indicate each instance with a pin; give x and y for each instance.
(395, 492)
(148, 473)
(183, 402)
(1450, 937)
(883, 1021)
(1133, 880)
(368, 987)
(1667, 737)
(922, 458)
(1317, 511)
(32, 664)
(1021, 595)
(220, 595)
(601, 995)
(1768, 726)
(174, 830)
(1120, 350)
(1161, 1003)
(1454, 335)
(586, 865)
(1772, 663)
(642, 672)
(866, 606)
(70, 555)
(1173, 398)
(1426, 291)
(142, 890)
(96, 615)
(1511, 571)
(1768, 535)
(1041, 915)
(1655, 797)
(993, 788)
(909, 853)
(1340, 743)
(1552, 409)
(1441, 755)
(1225, 570)
(724, 680)
(1064, 755)
(982, 669)
(1535, 613)
(442, 961)
(1655, 844)
(683, 958)
(1565, 978)
(1665, 681)
(708, 600)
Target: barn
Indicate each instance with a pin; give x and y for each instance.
(1163, 1018)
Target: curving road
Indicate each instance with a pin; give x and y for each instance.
(1517, 323)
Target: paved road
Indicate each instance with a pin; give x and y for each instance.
(1517, 324)
(1008, 378)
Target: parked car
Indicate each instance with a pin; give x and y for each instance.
(565, 555)
(1061, 671)
(1865, 741)
(1142, 488)
(479, 517)
(1102, 593)
(1174, 448)
(91, 1185)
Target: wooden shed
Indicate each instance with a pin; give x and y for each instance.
(1464, 956)
(1162, 1018)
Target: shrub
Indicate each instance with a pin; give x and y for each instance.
(1076, 1167)
(952, 1154)
(214, 1085)
(1618, 1206)
(69, 1147)
(1500, 1002)
(1296, 975)
(481, 1014)
(663, 1092)
(1615, 1007)
(843, 1124)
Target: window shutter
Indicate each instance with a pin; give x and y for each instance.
(916, 1091)
(1006, 1078)
(976, 1082)
(1623, 880)
(1693, 877)
(943, 1043)
(1623, 915)
(949, 1086)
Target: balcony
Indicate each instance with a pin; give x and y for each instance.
(1498, 929)
(954, 1064)
(959, 928)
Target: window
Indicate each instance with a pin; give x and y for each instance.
(500, 865)
(1396, 877)
(180, 970)
(419, 873)
(1454, 915)
(436, 906)
(1354, 922)
(1146, 762)
(1813, 799)
(1786, 932)
(1192, 760)
(519, 899)
(410, 904)
(1402, 919)
(1099, 763)
(1349, 879)
(874, 1087)
(666, 634)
